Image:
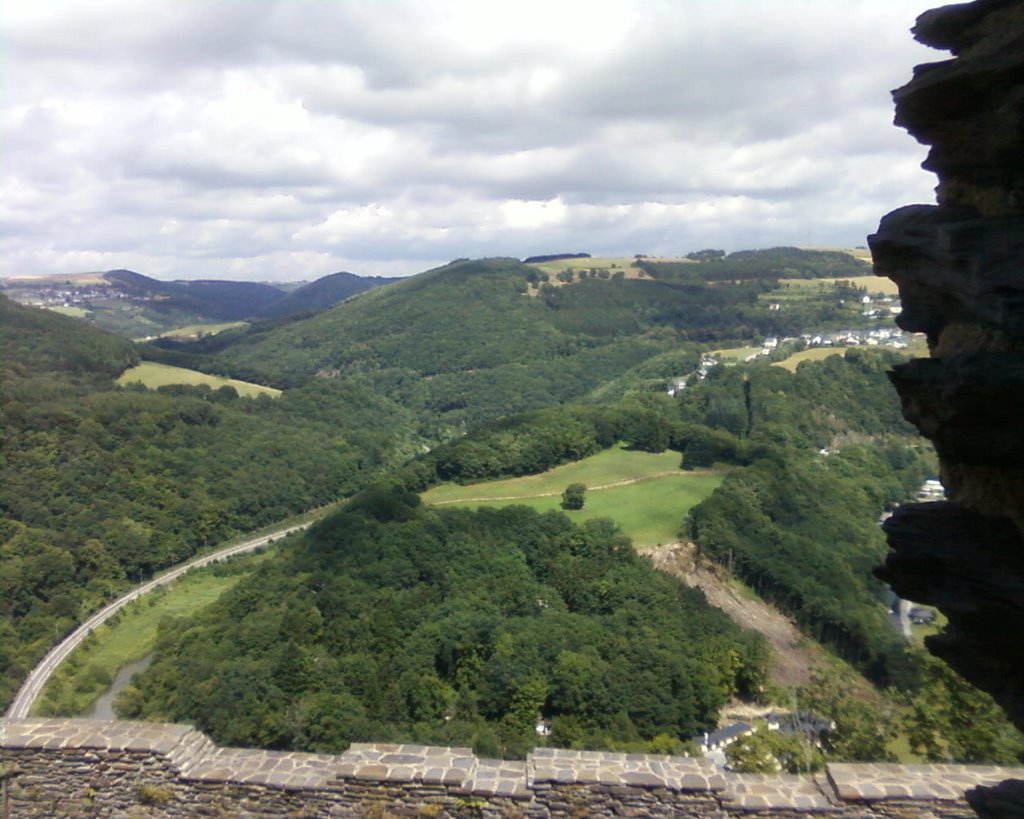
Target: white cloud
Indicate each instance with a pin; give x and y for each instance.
(279, 139)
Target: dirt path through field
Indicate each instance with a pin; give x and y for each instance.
(793, 657)
(598, 488)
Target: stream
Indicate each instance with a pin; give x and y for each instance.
(103, 707)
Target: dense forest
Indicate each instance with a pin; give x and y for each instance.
(798, 524)
(392, 620)
(104, 485)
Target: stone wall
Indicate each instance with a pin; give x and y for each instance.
(92, 768)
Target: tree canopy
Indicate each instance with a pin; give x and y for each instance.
(454, 627)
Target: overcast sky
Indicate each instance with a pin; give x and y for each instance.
(288, 139)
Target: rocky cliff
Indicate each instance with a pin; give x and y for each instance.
(959, 265)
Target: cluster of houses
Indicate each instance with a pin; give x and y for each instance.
(877, 337)
(890, 337)
(65, 296)
(787, 722)
(879, 307)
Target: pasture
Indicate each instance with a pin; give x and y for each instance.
(151, 374)
(874, 285)
(810, 354)
(735, 355)
(614, 265)
(646, 494)
(195, 331)
(74, 312)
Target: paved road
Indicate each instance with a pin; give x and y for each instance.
(35, 682)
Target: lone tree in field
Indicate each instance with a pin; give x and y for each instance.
(573, 496)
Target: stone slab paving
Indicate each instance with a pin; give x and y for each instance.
(95, 734)
(639, 770)
(781, 791)
(499, 777)
(278, 769)
(874, 781)
(407, 763)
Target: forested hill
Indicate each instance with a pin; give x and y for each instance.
(392, 620)
(37, 343)
(216, 299)
(104, 485)
(136, 305)
(478, 339)
(484, 315)
(322, 293)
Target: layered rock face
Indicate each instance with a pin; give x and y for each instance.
(960, 269)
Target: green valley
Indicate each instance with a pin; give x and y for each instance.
(450, 598)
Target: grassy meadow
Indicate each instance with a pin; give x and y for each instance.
(872, 284)
(646, 494)
(622, 265)
(597, 263)
(195, 331)
(810, 354)
(735, 355)
(153, 375)
(74, 312)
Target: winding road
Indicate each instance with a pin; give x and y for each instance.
(37, 679)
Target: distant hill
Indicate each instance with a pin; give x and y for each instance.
(554, 257)
(135, 305)
(38, 342)
(212, 299)
(770, 263)
(476, 339)
(322, 293)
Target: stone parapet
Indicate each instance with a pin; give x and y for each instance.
(65, 768)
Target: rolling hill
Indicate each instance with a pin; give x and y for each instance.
(322, 293)
(136, 305)
(474, 340)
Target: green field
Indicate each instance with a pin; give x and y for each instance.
(735, 355)
(811, 354)
(74, 312)
(614, 264)
(862, 253)
(646, 494)
(131, 636)
(917, 347)
(603, 263)
(153, 375)
(872, 284)
(194, 331)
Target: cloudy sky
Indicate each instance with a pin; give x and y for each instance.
(287, 139)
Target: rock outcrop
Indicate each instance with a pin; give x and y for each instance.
(959, 265)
